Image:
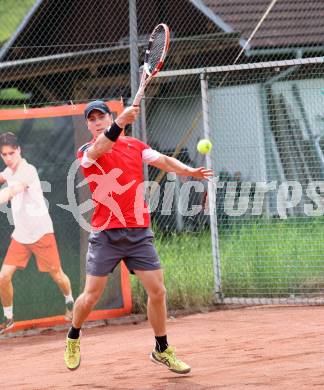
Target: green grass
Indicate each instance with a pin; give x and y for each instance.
(274, 258)
(269, 258)
(11, 93)
(12, 13)
(188, 271)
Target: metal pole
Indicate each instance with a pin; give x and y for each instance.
(133, 46)
(143, 134)
(211, 192)
(178, 203)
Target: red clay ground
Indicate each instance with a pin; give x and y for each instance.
(249, 348)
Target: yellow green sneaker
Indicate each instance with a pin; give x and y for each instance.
(72, 356)
(168, 359)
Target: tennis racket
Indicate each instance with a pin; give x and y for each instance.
(154, 58)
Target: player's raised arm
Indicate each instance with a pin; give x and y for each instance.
(171, 164)
(106, 131)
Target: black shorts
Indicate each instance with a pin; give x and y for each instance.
(133, 245)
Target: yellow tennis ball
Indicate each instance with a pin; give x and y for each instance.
(204, 146)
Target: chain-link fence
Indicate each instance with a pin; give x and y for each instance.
(264, 119)
(63, 51)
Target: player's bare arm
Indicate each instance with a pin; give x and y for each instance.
(9, 192)
(171, 164)
(105, 140)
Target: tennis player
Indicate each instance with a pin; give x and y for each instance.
(33, 229)
(113, 165)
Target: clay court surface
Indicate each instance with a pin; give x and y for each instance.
(247, 348)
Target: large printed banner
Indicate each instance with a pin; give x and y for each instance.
(49, 138)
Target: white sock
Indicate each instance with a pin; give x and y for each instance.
(68, 298)
(8, 311)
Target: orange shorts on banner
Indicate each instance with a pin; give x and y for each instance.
(45, 251)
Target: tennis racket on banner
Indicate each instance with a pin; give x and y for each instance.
(154, 58)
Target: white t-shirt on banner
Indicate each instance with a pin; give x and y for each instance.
(29, 210)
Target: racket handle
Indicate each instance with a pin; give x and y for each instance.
(138, 97)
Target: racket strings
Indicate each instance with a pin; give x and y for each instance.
(156, 49)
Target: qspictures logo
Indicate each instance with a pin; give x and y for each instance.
(172, 198)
